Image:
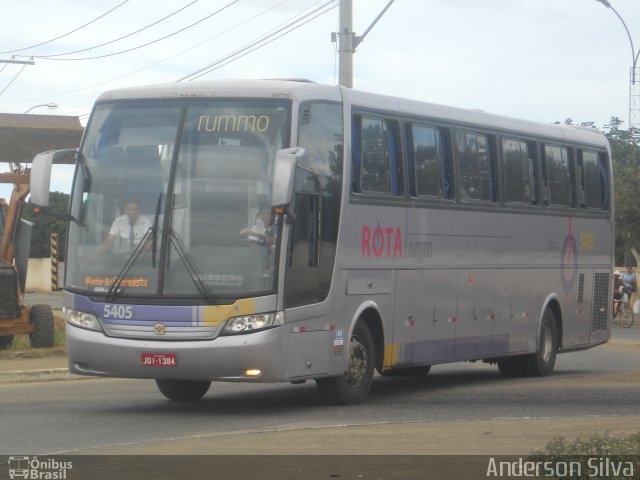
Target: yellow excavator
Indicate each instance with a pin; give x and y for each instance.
(15, 316)
(21, 138)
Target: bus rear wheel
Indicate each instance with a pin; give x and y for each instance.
(354, 386)
(183, 390)
(541, 363)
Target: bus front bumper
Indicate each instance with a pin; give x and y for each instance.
(226, 358)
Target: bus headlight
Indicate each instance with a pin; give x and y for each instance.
(253, 323)
(81, 319)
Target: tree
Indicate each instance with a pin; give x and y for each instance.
(46, 222)
(625, 152)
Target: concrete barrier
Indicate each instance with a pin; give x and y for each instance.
(39, 275)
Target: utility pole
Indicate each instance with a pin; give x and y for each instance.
(346, 44)
(348, 41)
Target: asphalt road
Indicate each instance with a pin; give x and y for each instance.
(597, 388)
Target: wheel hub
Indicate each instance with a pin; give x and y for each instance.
(358, 361)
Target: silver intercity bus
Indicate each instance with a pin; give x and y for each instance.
(268, 231)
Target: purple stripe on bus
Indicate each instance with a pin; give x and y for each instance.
(147, 312)
(145, 323)
(139, 313)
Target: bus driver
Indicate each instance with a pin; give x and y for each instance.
(127, 230)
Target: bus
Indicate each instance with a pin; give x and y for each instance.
(384, 235)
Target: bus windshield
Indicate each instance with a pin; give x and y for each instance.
(174, 199)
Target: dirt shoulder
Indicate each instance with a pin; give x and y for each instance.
(461, 437)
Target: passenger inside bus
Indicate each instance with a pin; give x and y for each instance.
(263, 231)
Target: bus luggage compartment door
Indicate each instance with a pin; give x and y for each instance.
(309, 353)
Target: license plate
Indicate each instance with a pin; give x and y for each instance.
(159, 360)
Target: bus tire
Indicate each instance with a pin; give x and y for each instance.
(354, 386)
(41, 317)
(409, 372)
(183, 390)
(541, 363)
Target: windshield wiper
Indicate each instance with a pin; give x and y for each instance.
(115, 286)
(176, 241)
(155, 232)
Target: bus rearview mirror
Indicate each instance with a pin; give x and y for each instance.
(284, 175)
(41, 173)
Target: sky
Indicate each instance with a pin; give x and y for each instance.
(540, 60)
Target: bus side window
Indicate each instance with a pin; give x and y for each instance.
(557, 176)
(519, 168)
(426, 160)
(376, 159)
(594, 181)
(476, 181)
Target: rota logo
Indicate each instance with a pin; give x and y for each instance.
(381, 241)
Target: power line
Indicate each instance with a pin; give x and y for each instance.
(14, 78)
(266, 43)
(50, 57)
(148, 43)
(160, 61)
(70, 92)
(68, 33)
(248, 48)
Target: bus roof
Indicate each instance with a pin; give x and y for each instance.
(301, 90)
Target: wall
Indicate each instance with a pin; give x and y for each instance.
(39, 275)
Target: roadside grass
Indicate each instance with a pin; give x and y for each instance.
(598, 454)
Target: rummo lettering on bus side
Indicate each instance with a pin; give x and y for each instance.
(420, 249)
(233, 123)
(384, 241)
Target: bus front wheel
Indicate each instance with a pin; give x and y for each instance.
(354, 386)
(183, 390)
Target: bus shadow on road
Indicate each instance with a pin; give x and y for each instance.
(265, 399)
(443, 383)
